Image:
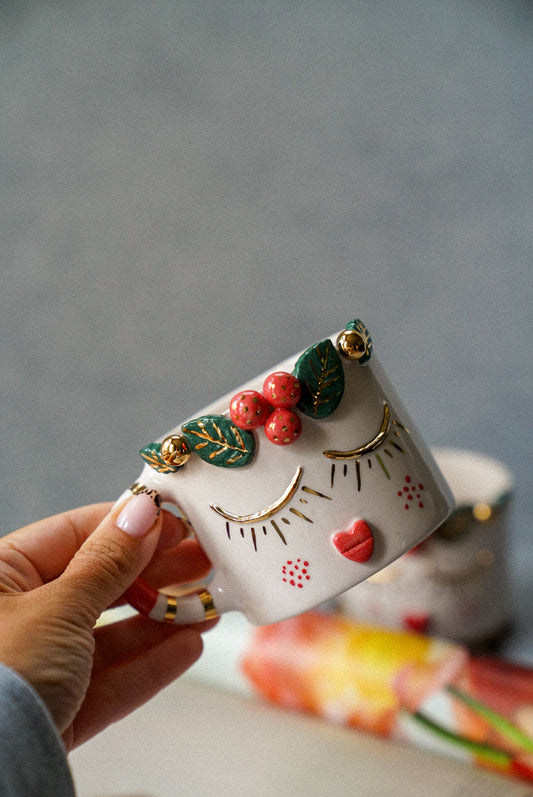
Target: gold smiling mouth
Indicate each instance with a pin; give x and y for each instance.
(370, 446)
(269, 510)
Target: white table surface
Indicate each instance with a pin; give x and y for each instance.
(208, 734)
(193, 740)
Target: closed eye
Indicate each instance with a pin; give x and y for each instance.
(371, 445)
(268, 511)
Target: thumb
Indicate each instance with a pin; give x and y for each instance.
(114, 554)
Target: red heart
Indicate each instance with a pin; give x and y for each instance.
(357, 544)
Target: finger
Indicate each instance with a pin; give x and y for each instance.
(112, 557)
(117, 691)
(174, 530)
(182, 563)
(40, 552)
(128, 639)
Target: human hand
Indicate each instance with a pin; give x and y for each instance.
(57, 576)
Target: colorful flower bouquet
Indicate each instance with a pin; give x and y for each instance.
(398, 684)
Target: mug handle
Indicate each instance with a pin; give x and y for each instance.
(192, 608)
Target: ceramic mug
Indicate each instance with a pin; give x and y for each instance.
(298, 486)
(447, 586)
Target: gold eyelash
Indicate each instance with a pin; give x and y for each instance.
(370, 446)
(269, 510)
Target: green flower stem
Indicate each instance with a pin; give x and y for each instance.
(484, 752)
(504, 727)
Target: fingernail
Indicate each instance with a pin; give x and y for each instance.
(138, 516)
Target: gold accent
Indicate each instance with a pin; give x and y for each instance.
(370, 446)
(279, 532)
(175, 450)
(315, 492)
(404, 428)
(482, 512)
(351, 345)
(358, 474)
(208, 604)
(300, 514)
(269, 510)
(137, 489)
(397, 447)
(172, 606)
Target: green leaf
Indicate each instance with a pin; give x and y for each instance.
(218, 441)
(152, 455)
(321, 376)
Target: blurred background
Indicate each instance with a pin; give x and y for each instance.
(191, 191)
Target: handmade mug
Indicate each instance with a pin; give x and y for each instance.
(298, 486)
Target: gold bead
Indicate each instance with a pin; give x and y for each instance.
(175, 450)
(351, 344)
(482, 512)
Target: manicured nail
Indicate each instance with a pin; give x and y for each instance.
(139, 515)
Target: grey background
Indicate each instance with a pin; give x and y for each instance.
(193, 190)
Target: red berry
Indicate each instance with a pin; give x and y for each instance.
(282, 389)
(249, 409)
(283, 427)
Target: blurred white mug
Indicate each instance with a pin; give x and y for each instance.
(455, 585)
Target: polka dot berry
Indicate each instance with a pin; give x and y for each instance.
(282, 390)
(249, 409)
(283, 427)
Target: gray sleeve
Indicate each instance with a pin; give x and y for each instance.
(33, 761)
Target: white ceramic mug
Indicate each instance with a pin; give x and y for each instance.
(317, 497)
(455, 585)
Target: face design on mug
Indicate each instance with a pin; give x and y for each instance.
(278, 432)
(300, 485)
(298, 501)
